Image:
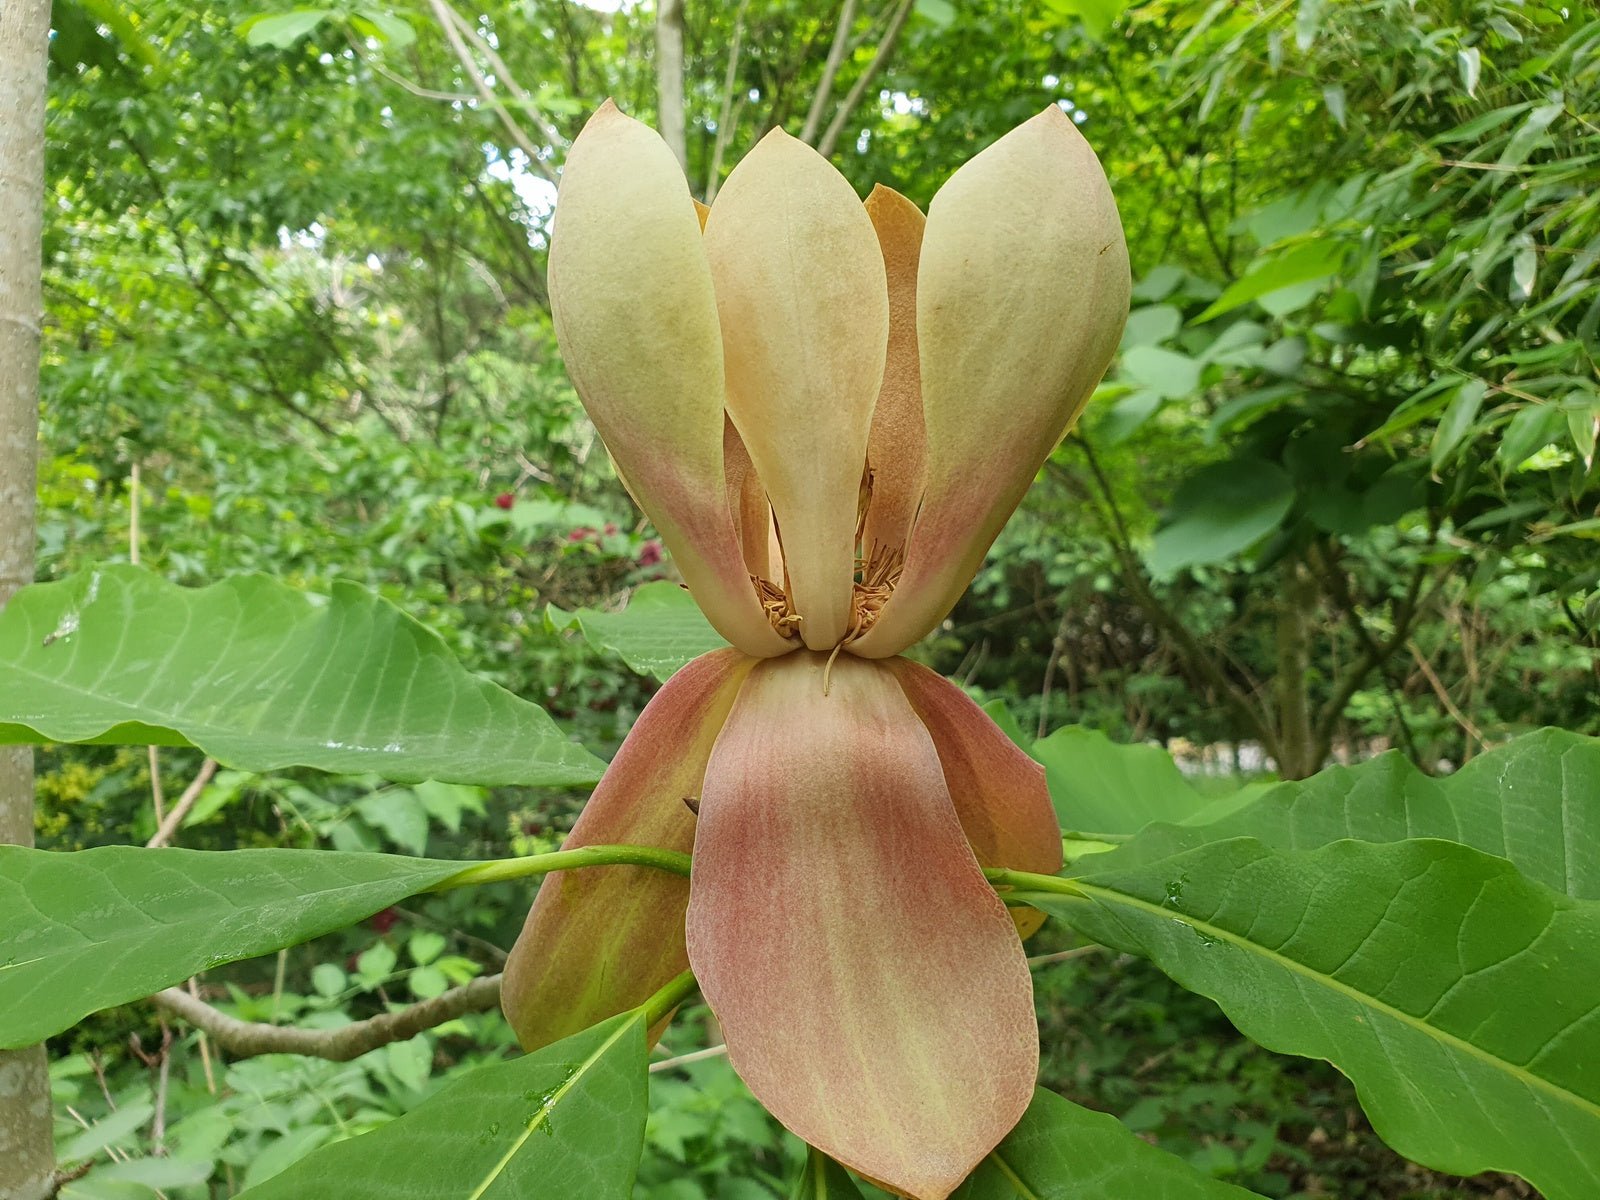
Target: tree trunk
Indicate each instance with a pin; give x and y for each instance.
(27, 1161)
(669, 78)
(1298, 756)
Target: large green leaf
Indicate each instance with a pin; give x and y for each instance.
(260, 677)
(659, 631)
(1535, 801)
(1060, 1151)
(565, 1121)
(1462, 999)
(1100, 786)
(88, 930)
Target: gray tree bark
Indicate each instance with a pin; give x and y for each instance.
(27, 1160)
(669, 78)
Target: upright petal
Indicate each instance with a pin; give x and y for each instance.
(999, 792)
(600, 940)
(631, 294)
(896, 448)
(805, 319)
(1022, 291)
(871, 988)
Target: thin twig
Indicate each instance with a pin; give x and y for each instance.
(1440, 691)
(684, 1060)
(830, 71)
(503, 73)
(1060, 956)
(443, 13)
(891, 35)
(245, 1039)
(180, 810)
(725, 118)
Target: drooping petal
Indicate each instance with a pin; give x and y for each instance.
(805, 319)
(631, 294)
(1022, 291)
(600, 940)
(999, 792)
(871, 988)
(896, 448)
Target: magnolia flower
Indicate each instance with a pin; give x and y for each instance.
(828, 409)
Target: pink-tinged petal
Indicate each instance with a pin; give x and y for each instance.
(999, 792)
(870, 985)
(599, 941)
(1022, 291)
(805, 319)
(631, 294)
(897, 446)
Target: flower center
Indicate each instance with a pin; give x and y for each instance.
(875, 578)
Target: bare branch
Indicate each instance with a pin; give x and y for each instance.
(445, 15)
(886, 45)
(503, 73)
(174, 819)
(669, 78)
(726, 118)
(245, 1039)
(830, 71)
(694, 1056)
(1450, 706)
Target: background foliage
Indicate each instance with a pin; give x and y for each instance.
(1338, 494)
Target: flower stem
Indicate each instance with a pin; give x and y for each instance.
(668, 998)
(566, 860)
(1005, 880)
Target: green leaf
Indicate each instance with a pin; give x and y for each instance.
(659, 631)
(1060, 1151)
(1529, 431)
(1098, 786)
(1457, 419)
(1530, 134)
(1151, 324)
(1219, 512)
(1535, 802)
(1460, 998)
(823, 1179)
(1165, 372)
(396, 31)
(95, 928)
(1308, 262)
(261, 677)
(111, 15)
(282, 30)
(565, 1121)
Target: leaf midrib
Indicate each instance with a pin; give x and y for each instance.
(540, 1117)
(1522, 1074)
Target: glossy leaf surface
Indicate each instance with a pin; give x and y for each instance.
(88, 930)
(567, 1121)
(1460, 998)
(261, 677)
